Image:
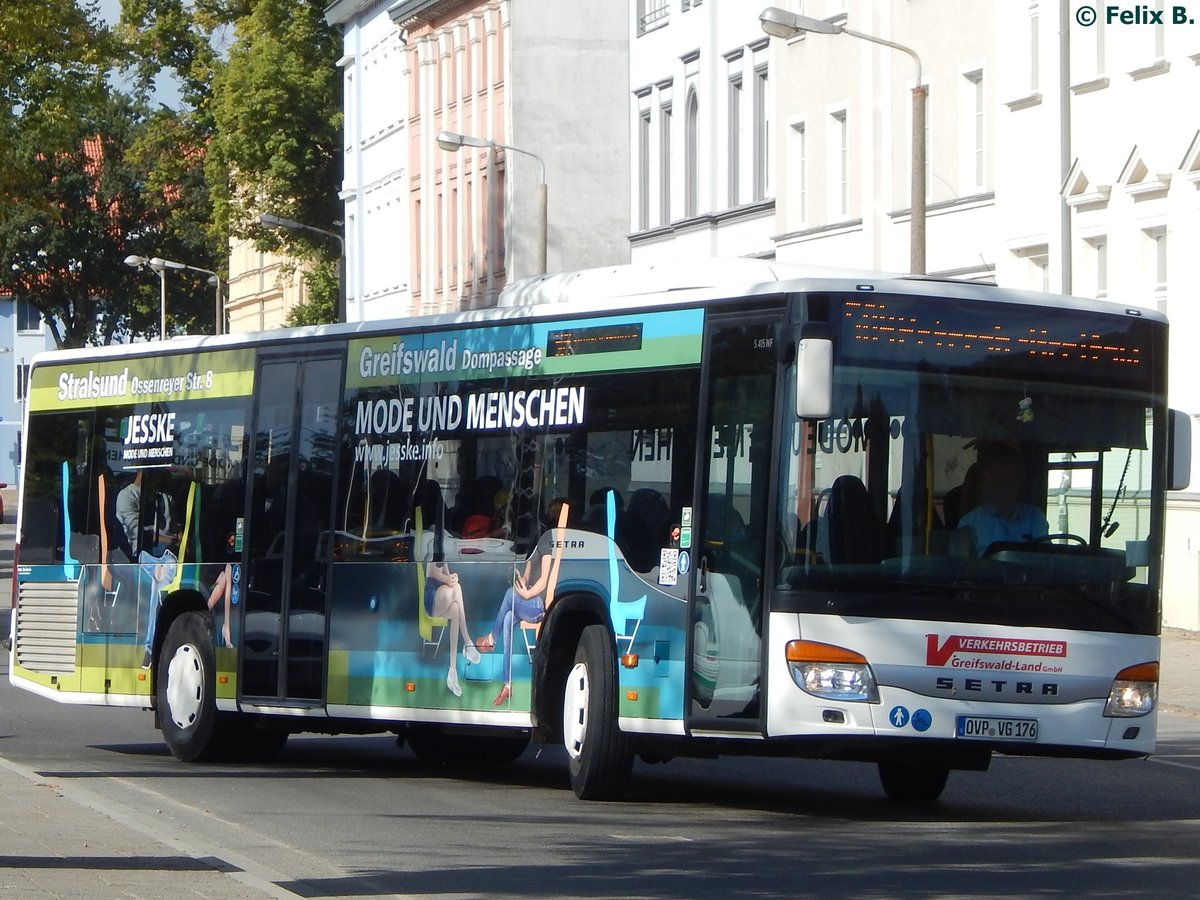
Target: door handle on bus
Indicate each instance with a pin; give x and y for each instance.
(702, 576)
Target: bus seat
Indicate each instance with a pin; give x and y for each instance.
(855, 532)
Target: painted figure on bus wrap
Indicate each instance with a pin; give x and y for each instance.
(153, 573)
(525, 601)
(444, 598)
(225, 591)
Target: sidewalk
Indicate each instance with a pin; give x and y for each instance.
(60, 841)
(1179, 678)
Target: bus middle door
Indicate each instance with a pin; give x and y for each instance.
(287, 543)
(733, 487)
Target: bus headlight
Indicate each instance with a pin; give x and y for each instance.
(1133, 691)
(831, 672)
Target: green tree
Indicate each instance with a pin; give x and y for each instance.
(82, 209)
(320, 307)
(77, 186)
(277, 142)
(268, 111)
(53, 55)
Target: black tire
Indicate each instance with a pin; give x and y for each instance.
(436, 747)
(906, 782)
(186, 690)
(599, 760)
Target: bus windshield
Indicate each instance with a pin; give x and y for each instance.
(983, 463)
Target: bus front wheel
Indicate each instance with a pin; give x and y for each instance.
(599, 760)
(907, 782)
(186, 688)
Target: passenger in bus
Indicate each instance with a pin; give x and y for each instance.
(444, 598)
(643, 531)
(554, 510)
(1002, 515)
(479, 508)
(146, 527)
(595, 517)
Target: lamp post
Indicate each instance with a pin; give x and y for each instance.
(159, 266)
(783, 24)
(139, 262)
(451, 141)
(270, 221)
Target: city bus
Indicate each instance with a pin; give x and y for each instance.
(641, 512)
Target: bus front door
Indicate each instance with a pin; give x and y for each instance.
(728, 543)
(286, 545)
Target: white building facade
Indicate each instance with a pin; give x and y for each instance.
(700, 138)
(432, 230)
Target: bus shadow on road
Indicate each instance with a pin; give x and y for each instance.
(1014, 790)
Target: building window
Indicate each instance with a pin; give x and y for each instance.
(1099, 247)
(1037, 259)
(22, 382)
(1158, 266)
(762, 136)
(797, 173)
(29, 318)
(1034, 51)
(644, 170)
(664, 164)
(841, 155)
(974, 138)
(652, 14)
(735, 139)
(691, 161)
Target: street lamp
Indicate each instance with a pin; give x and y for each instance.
(783, 24)
(451, 141)
(270, 221)
(159, 266)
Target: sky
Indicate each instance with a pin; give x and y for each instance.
(165, 90)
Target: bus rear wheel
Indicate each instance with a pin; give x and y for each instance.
(599, 761)
(906, 782)
(186, 689)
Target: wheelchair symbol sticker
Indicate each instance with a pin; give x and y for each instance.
(921, 719)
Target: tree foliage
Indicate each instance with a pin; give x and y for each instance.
(78, 196)
(277, 110)
(91, 174)
(269, 110)
(320, 305)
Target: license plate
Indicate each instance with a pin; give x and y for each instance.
(992, 728)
